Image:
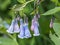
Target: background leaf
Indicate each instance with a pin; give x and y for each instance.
(7, 41)
(52, 11)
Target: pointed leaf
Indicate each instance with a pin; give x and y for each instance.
(52, 11)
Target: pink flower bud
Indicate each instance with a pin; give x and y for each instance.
(51, 24)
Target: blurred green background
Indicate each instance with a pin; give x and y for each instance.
(47, 9)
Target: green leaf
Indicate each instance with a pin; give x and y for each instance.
(52, 11)
(55, 40)
(4, 4)
(6, 41)
(56, 27)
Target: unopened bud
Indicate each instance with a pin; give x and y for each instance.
(51, 22)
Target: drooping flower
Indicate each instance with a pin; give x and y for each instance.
(27, 32)
(22, 31)
(10, 29)
(14, 27)
(35, 26)
(51, 22)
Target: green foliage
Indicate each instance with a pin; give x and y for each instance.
(47, 9)
(52, 11)
(57, 28)
(4, 4)
(7, 41)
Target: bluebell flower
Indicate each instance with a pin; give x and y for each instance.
(27, 32)
(26, 28)
(10, 29)
(22, 32)
(35, 25)
(14, 28)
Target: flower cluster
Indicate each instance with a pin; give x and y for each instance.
(23, 29)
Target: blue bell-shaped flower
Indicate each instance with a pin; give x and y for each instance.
(35, 25)
(10, 29)
(16, 27)
(22, 32)
(27, 32)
